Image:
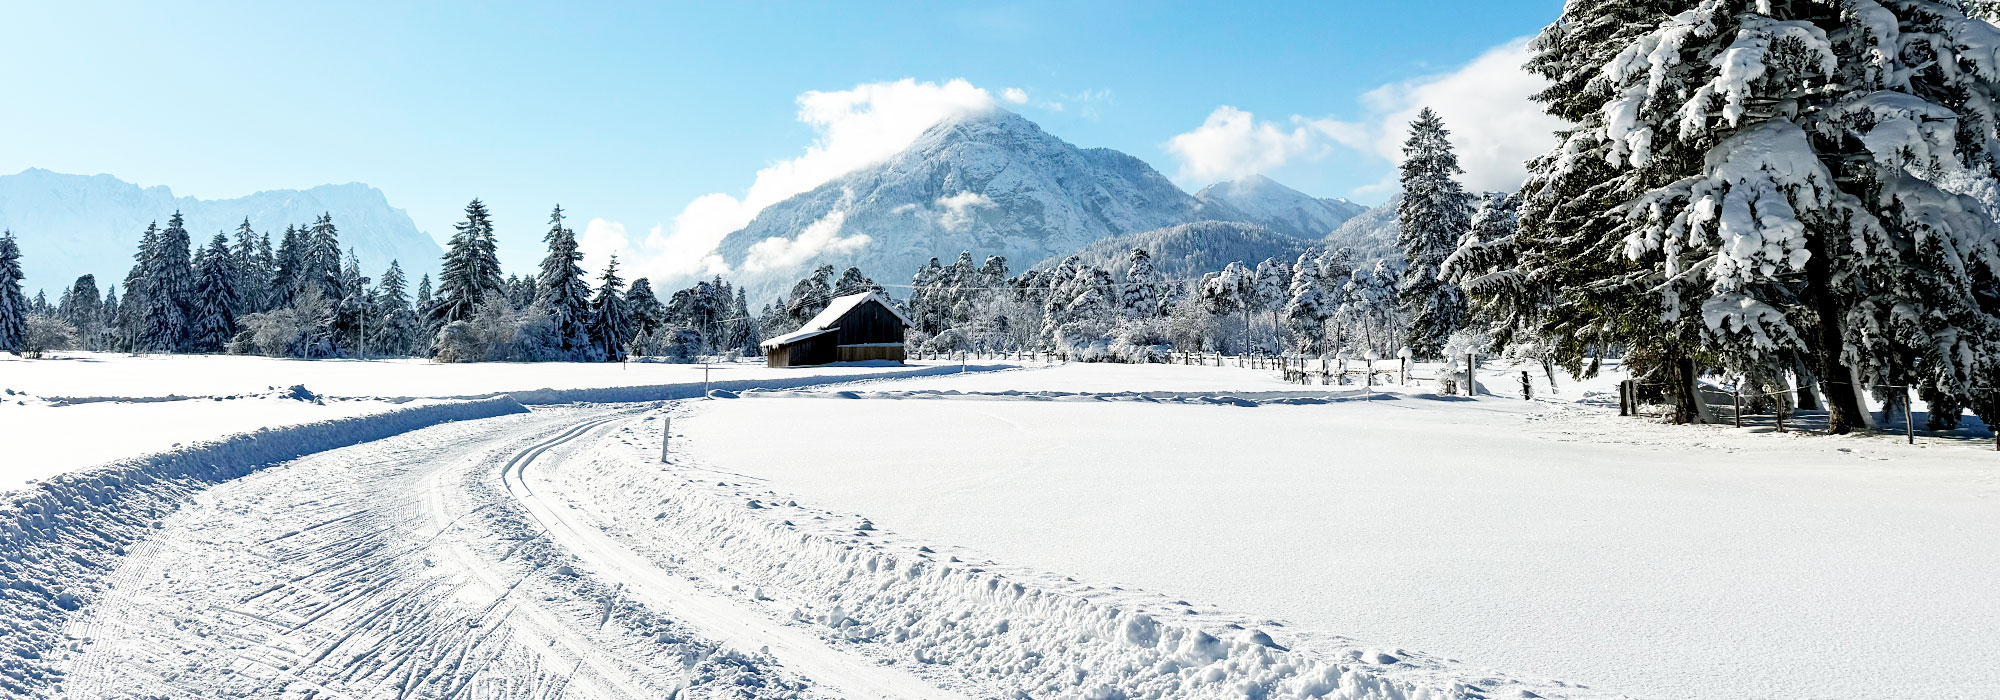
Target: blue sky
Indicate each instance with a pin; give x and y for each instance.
(629, 112)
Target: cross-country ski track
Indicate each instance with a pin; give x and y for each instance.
(430, 565)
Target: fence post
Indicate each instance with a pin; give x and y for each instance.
(1624, 399)
(1527, 387)
(1780, 410)
(1909, 418)
(1471, 385)
(666, 433)
(1736, 402)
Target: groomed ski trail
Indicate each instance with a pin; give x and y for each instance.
(680, 598)
(426, 566)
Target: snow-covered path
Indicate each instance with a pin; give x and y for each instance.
(682, 600)
(407, 568)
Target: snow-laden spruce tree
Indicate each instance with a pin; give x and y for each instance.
(1434, 213)
(647, 311)
(1139, 295)
(471, 269)
(169, 284)
(1486, 267)
(1773, 180)
(320, 261)
(213, 319)
(611, 325)
(83, 309)
(1270, 288)
(561, 292)
(13, 304)
(1309, 304)
(394, 330)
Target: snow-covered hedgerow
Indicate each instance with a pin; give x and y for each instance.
(59, 538)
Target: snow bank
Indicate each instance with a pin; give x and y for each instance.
(683, 390)
(60, 537)
(1034, 634)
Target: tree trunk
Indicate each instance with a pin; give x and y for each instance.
(1808, 394)
(1842, 403)
(1684, 391)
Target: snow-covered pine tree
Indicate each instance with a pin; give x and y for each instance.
(320, 261)
(1270, 289)
(471, 268)
(1139, 296)
(647, 311)
(394, 329)
(84, 310)
(809, 296)
(13, 304)
(288, 260)
(213, 319)
(1309, 304)
(1435, 211)
(611, 327)
(853, 281)
(743, 330)
(1503, 302)
(560, 289)
(426, 329)
(251, 276)
(169, 284)
(1778, 182)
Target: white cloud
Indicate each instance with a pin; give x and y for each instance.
(957, 214)
(855, 128)
(600, 240)
(1014, 96)
(1231, 143)
(1495, 127)
(820, 236)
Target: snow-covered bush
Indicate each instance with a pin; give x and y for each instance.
(43, 334)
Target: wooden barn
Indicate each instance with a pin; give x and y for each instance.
(853, 328)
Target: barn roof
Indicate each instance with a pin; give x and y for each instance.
(824, 322)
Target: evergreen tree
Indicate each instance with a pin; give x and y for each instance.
(648, 314)
(1798, 205)
(1434, 213)
(1139, 297)
(13, 305)
(611, 327)
(427, 326)
(1308, 305)
(289, 260)
(251, 276)
(213, 321)
(852, 281)
(131, 315)
(1487, 268)
(810, 295)
(471, 268)
(320, 262)
(169, 285)
(562, 293)
(744, 330)
(395, 329)
(83, 309)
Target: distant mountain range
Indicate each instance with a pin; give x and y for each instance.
(995, 183)
(71, 225)
(990, 182)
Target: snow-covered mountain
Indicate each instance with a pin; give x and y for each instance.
(1191, 249)
(993, 183)
(71, 225)
(1261, 200)
(1371, 235)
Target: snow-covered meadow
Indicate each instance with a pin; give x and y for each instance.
(84, 409)
(1550, 538)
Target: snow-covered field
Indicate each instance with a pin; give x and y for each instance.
(1072, 531)
(1692, 562)
(86, 409)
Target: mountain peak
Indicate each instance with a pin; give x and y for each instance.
(1262, 200)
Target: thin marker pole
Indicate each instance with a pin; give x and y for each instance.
(666, 434)
(1909, 418)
